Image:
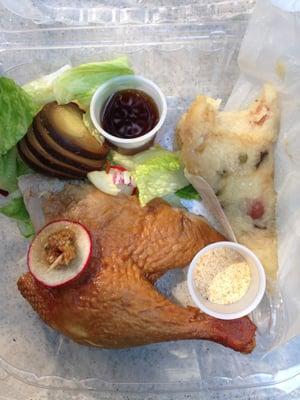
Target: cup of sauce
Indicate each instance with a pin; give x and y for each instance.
(128, 111)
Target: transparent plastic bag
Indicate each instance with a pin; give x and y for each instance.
(270, 52)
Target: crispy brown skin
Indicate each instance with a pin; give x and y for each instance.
(114, 304)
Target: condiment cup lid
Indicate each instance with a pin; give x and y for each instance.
(248, 302)
(121, 83)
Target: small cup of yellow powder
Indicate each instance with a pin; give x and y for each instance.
(226, 280)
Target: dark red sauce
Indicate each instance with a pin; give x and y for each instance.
(129, 113)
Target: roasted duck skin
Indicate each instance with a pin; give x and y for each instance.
(114, 304)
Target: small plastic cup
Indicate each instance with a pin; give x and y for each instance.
(248, 302)
(128, 82)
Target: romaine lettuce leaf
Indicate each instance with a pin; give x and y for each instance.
(8, 170)
(41, 89)
(22, 168)
(131, 162)
(17, 110)
(14, 207)
(188, 193)
(78, 84)
(26, 228)
(11, 167)
(157, 172)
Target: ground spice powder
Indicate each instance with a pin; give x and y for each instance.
(222, 276)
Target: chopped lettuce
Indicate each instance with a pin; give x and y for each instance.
(41, 89)
(26, 228)
(188, 193)
(79, 83)
(22, 168)
(131, 162)
(157, 172)
(8, 171)
(76, 84)
(11, 167)
(158, 177)
(14, 208)
(17, 110)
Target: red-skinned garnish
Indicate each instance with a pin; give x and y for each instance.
(59, 253)
(117, 167)
(114, 180)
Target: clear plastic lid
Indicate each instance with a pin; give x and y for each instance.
(186, 50)
(77, 12)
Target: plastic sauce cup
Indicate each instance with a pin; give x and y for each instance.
(248, 302)
(121, 83)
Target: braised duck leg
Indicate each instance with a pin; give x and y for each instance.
(114, 305)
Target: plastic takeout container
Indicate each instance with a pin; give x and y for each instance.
(186, 49)
(121, 83)
(248, 302)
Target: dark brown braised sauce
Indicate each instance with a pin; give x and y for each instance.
(129, 113)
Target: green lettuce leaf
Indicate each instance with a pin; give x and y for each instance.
(157, 178)
(17, 110)
(131, 162)
(26, 228)
(188, 193)
(41, 89)
(22, 168)
(157, 172)
(78, 84)
(8, 170)
(11, 167)
(14, 208)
